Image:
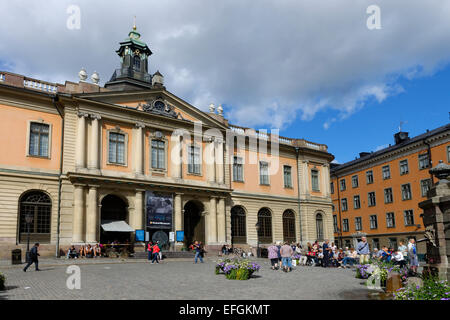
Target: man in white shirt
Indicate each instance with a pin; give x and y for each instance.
(398, 258)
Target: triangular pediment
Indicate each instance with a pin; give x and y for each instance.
(158, 102)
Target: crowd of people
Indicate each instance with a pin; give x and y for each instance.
(329, 255)
(98, 249)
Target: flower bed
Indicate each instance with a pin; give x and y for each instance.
(237, 269)
(2, 281)
(432, 289)
(380, 270)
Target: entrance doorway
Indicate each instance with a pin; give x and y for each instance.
(113, 209)
(194, 223)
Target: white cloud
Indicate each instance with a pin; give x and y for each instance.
(268, 62)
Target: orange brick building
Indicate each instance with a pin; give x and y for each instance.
(377, 195)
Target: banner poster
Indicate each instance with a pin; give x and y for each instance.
(159, 209)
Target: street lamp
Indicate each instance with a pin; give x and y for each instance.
(258, 226)
(29, 220)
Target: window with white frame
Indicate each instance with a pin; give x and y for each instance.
(355, 181)
(369, 176)
(386, 172)
(238, 173)
(373, 222)
(406, 191)
(425, 186)
(345, 225)
(424, 161)
(356, 202)
(404, 169)
(448, 154)
(39, 140)
(315, 179)
(409, 217)
(358, 223)
(194, 160)
(263, 173)
(390, 220)
(287, 176)
(116, 151)
(371, 199)
(342, 184)
(388, 197)
(158, 154)
(335, 223)
(331, 187)
(344, 204)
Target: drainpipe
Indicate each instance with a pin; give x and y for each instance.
(55, 101)
(429, 158)
(339, 209)
(297, 149)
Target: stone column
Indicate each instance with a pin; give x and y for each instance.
(212, 225)
(138, 218)
(80, 148)
(139, 150)
(210, 161)
(305, 178)
(219, 162)
(326, 173)
(94, 143)
(92, 215)
(176, 157)
(178, 211)
(78, 214)
(221, 224)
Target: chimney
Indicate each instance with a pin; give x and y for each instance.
(363, 154)
(401, 137)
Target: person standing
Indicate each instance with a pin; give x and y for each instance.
(279, 254)
(149, 250)
(286, 253)
(155, 252)
(363, 251)
(327, 251)
(160, 250)
(33, 257)
(273, 256)
(404, 250)
(412, 253)
(198, 252)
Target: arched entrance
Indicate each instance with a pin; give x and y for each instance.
(113, 208)
(194, 223)
(38, 206)
(238, 225)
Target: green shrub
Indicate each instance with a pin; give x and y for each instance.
(432, 289)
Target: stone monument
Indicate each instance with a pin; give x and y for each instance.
(436, 219)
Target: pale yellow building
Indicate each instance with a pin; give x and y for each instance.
(82, 159)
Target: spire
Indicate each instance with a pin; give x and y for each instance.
(134, 23)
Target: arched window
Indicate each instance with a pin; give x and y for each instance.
(319, 226)
(137, 63)
(38, 206)
(289, 226)
(265, 226)
(238, 225)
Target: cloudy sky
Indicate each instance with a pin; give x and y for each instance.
(311, 68)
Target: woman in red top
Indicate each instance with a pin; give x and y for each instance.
(155, 253)
(150, 251)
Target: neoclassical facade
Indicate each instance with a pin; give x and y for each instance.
(78, 158)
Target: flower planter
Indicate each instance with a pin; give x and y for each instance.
(236, 269)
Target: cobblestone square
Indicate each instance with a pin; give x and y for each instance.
(178, 279)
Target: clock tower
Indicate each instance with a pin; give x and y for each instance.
(133, 72)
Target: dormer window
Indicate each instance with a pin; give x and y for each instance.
(137, 63)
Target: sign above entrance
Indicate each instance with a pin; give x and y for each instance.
(159, 209)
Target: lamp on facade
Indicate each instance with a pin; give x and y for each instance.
(28, 220)
(258, 227)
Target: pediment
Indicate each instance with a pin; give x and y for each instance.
(160, 103)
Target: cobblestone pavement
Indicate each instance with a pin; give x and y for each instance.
(178, 279)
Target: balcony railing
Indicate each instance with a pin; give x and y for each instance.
(34, 84)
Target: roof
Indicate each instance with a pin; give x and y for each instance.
(375, 154)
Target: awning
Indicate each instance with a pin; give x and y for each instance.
(116, 226)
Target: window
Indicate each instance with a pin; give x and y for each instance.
(393, 243)
(358, 224)
(344, 204)
(319, 226)
(335, 224)
(369, 176)
(356, 202)
(390, 220)
(355, 181)
(425, 185)
(331, 187)
(375, 243)
(289, 226)
(424, 161)
(38, 205)
(116, 148)
(238, 174)
(406, 191)
(409, 217)
(238, 225)
(386, 172)
(263, 173)
(347, 243)
(371, 198)
(342, 182)
(333, 208)
(193, 160)
(388, 197)
(158, 154)
(373, 222)
(287, 177)
(448, 154)
(315, 179)
(345, 226)
(265, 226)
(39, 140)
(404, 167)
(136, 63)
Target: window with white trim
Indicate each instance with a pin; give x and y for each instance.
(406, 191)
(116, 151)
(287, 176)
(238, 174)
(263, 173)
(39, 140)
(194, 160)
(158, 154)
(404, 169)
